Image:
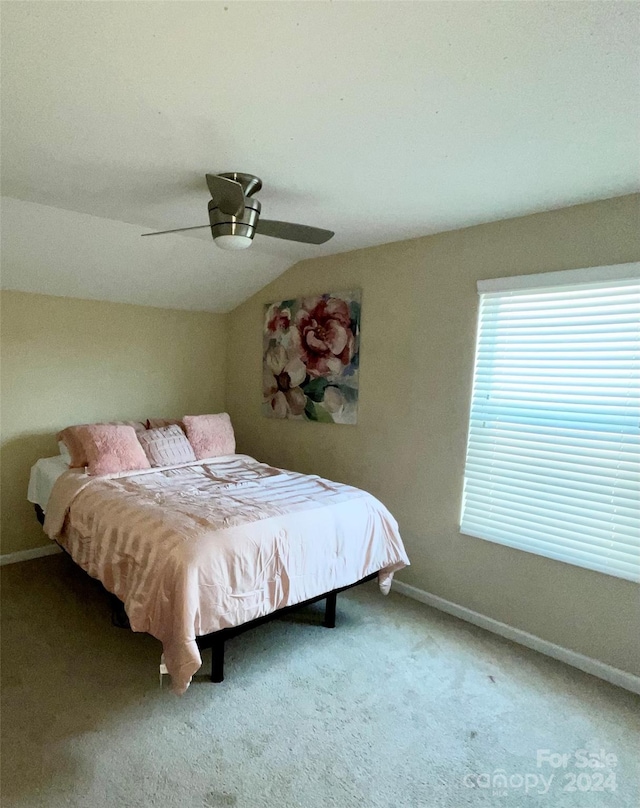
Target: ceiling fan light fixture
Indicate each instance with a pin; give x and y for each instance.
(232, 242)
(234, 215)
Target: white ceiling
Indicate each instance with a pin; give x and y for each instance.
(382, 121)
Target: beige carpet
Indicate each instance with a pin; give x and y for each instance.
(398, 707)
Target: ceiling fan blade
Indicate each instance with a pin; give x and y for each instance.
(177, 230)
(227, 194)
(293, 232)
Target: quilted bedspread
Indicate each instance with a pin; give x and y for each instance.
(199, 547)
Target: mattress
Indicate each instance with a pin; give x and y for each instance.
(43, 475)
(203, 546)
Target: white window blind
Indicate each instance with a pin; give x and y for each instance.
(554, 438)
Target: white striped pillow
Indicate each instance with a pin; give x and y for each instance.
(167, 446)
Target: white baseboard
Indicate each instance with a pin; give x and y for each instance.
(27, 555)
(584, 663)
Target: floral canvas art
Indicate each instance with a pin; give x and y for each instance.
(311, 358)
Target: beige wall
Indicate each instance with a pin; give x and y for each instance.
(66, 361)
(418, 329)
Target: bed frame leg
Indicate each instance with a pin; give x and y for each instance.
(330, 610)
(217, 660)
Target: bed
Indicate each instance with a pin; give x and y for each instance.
(201, 551)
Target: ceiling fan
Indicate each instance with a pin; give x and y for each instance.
(234, 215)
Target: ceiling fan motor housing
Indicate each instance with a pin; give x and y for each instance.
(223, 224)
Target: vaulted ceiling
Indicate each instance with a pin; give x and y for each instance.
(381, 121)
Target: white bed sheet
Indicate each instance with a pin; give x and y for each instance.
(44, 473)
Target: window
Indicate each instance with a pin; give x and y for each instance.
(553, 452)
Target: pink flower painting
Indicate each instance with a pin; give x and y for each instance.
(311, 358)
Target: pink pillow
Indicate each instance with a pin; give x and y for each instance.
(72, 441)
(166, 446)
(110, 448)
(210, 435)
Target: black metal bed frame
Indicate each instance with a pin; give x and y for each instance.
(217, 639)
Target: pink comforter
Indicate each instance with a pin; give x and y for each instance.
(204, 546)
